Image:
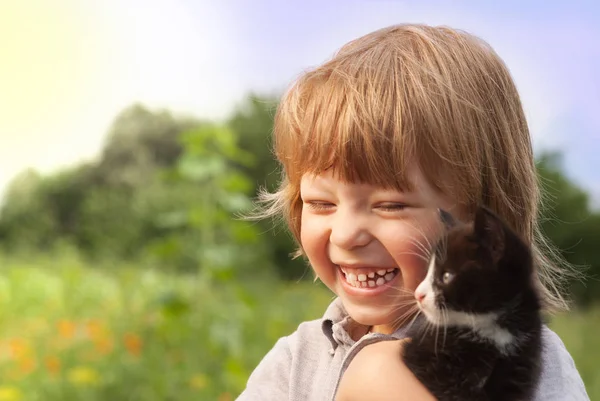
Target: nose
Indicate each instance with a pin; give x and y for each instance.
(349, 231)
(420, 296)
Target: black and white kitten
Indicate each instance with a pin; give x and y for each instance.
(485, 343)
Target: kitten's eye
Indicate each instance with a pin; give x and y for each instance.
(447, 277)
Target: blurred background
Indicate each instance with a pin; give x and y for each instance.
(134, 132)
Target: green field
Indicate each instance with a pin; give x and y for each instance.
(72, 332)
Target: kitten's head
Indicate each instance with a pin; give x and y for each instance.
(477, 268)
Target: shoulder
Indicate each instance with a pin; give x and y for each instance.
(309, 335)
(377, 357)
(380, 363)
(271, 379)
(306, 334)
(307, 338)
(560, 379)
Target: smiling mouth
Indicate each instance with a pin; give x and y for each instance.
(368, 279)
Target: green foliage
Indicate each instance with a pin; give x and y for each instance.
(72, 332)
(139, 143)
(208, 232)
(253, 123)
(25, 219)
(572, 226)
(99, 207)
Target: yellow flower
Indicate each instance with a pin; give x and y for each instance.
(198, 381)
(10, 393)
(82, 375)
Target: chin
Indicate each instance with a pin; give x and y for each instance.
(369, 315)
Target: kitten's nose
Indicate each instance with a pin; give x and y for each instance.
(420, 296)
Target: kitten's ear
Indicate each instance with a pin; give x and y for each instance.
(489, 229)
(446, 218)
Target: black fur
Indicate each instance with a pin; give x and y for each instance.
(493, 270)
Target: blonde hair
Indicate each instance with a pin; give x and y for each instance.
(436, 96)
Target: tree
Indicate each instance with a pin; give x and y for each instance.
(570, 224)
(253, 123)
(138, 143)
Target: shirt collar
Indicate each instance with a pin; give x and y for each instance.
(340, 328)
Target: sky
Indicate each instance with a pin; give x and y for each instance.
(67, 67)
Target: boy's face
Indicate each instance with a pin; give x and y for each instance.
(370, 246)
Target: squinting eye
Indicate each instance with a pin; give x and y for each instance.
(447, 277)
(392, 207)
(318, 206)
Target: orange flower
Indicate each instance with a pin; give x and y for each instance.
(66, 329)
(19, 348)
(95, 329)
(225, 397)
(52, 365)
(27, 365)
(133, 343)
(103, 345)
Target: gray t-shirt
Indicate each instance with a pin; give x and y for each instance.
(308, 364)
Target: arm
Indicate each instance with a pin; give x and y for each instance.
(377, 373)
(270, 380)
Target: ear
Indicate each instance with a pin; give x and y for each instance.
(446, 218)
(489, 229)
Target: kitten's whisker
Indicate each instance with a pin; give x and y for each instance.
(410, 296)
(424, 236)
(404, 290)
(420, 246)
(429, 327)
(445, 314)
(398, 320)
(414, 318)
(425, 259)
(435, 341)
(406, 313)
(420, 256)
(425, 332)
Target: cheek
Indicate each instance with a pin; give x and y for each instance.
(412, 268)
(313, 236)
(410, 250)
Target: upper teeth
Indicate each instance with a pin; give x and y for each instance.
(360, 279)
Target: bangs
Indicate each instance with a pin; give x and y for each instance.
(346, 119)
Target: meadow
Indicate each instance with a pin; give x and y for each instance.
(71, 331)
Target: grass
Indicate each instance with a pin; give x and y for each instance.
(72, 332)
